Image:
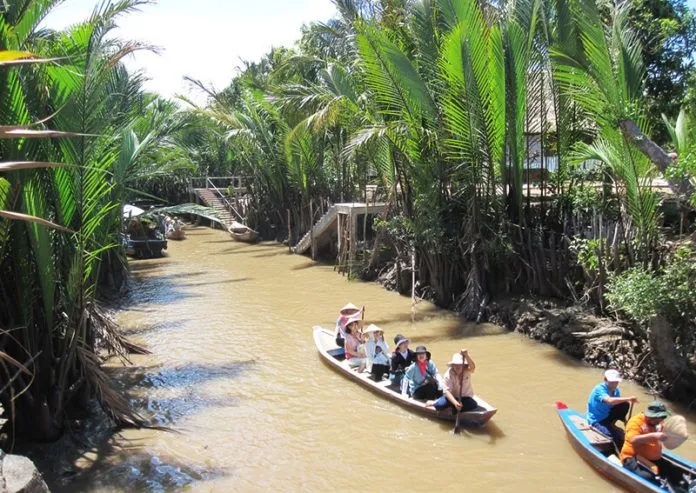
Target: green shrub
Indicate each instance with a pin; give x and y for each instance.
(670, 292)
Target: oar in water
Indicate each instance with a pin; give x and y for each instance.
(459, 399)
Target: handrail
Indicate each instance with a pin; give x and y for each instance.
(236, 181)
(222, 196)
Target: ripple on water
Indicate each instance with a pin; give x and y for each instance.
(235, 374)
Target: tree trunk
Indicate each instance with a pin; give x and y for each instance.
(656, 154)
(672, 367)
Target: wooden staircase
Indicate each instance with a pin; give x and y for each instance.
(319, 228)
(212, 199)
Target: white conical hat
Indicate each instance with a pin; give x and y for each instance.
(350, 307)
(372, 328)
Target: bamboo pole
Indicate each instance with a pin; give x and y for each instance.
(289, 233)
(413, 283)
(311, 229)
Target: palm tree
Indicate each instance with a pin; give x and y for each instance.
(48, 286)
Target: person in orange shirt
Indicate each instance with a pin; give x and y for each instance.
(643, 441)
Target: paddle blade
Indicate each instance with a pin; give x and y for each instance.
(561, 405)
(675, 429)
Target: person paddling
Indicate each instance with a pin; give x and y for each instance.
(458, 392)
(605, 406)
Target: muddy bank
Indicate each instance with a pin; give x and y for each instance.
(599, 341)
(575, 330)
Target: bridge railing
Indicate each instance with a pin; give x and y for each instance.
(236, 183)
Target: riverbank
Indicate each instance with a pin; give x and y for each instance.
(601, 342)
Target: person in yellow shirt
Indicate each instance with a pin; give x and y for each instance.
(642, 449)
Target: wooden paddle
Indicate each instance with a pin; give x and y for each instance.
(459, 399)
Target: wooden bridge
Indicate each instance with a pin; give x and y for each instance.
(221, 193)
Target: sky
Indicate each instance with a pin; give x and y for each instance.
(204, 39)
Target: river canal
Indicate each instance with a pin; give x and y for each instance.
(235, 374)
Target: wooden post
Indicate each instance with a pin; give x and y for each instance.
(311, 230)
(413, 283)
(289, 233)
(339, 218)
(353, 236)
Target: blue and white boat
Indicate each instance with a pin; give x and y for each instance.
(598, 450)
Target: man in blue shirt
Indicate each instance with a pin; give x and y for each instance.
(605, 406)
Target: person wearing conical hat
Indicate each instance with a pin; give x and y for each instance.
(344, 314)
(353, 343)
(377, 353)
(642, 449)
(458, 392)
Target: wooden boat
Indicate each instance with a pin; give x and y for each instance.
(176, 234)
(333, 356)
(598, 450)
(143, 248)
(241, 232)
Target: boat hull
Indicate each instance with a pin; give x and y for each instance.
(151, 248)
(612, 470)
(246, 236)
(324, 340)
(177, 235)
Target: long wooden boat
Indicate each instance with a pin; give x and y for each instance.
(176, 234)
(241, 232)
(598, 450)
(334, 356)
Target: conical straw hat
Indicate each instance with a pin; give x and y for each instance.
(675, 429)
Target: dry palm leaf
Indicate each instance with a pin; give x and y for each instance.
(675, 429)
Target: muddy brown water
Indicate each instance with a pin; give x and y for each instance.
(234, 372)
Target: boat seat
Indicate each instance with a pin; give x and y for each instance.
(596, 438)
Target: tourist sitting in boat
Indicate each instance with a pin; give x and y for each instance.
(354, 356)
(346, 312)
(377, 353)
(421, 379)
(401, 358)
(457, 390)
(605, 406)
(642, 448)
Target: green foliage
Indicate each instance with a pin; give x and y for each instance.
(667, 30)
(637, 292)
(643, 294)
(49, 278)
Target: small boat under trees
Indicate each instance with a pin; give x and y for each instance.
(241, 232)
(334, 356)
(598, 450)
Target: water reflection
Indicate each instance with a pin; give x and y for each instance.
(235, 374)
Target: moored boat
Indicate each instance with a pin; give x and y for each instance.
(334, 356)
(241, 232)
(143, 248)
(598, 450)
